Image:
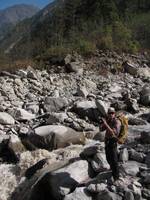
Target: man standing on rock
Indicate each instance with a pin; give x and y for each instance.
(112, 125)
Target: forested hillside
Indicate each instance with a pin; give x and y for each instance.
(83, 26)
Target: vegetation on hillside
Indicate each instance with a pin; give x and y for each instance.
(83, 26)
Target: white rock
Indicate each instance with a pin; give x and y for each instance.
(6, 119)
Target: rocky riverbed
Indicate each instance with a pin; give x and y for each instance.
(50, 143)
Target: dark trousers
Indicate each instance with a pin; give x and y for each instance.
(112, 157)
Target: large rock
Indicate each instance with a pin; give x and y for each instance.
(21, 114)
(60, 182)
(131, 168)
(145, 137)
(56, 117)
(102, 107)
(32, 108)
(129, 195)
(7, 153)
(137, 156)
(130, 68)
(144, 72)
(78, 194)
(82, 91)
(76, 67)
(53, 104)
(99, 163)
(145, 95)
(107, 195)
(136, 121)
(147, 160)
(52, 137)
(6, 119)
(86, 109)
(124, 155)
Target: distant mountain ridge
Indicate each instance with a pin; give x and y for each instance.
(14, 14)
(17, 13)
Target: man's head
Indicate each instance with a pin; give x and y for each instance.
(111, 112)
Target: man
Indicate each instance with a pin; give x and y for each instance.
(112, 125)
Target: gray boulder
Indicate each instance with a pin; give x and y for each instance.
(56, 118)
(129, 195)
(136, 121)
(99, 163)
(137, 156)
(130, 68)
(102, 107)
(60, 182)
(107, 195)
(78, 194)
(6, 119)
(96, 188)
(86, 109)
(130, 168)
(53, 104)
(52, 137)
(82, 91)
(147, 159)
(76, 67)
(145, 137)
(145, 95)
(21, 114)
(124, 155)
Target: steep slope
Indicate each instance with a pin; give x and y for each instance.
(83, 26)
(12, 15)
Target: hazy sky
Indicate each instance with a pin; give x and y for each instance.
(40, 3)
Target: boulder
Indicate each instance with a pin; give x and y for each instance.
(129, 195)
(132, 105)
(124, 155)
(147, 159)
(145, 95)
(146, 193)
(53, 104)
(56, 118)
(102, 107)
(7, 154)
(60, 182)
(21, 114)
(136, 121)
(86, 109)
(130, 168)
(137, 156)
(31, 73)
(78, 194)
(130, 68)
(90, 151)
(6, 119)
(52, 137)
(76, 67)
(32, 108)
(145, 137)
(96, 188)
(107, 195)
(99, 162)
(144, 72)
(82, 91)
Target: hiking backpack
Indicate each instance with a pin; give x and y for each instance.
(124, 128)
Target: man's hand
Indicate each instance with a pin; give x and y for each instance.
(105, 124)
